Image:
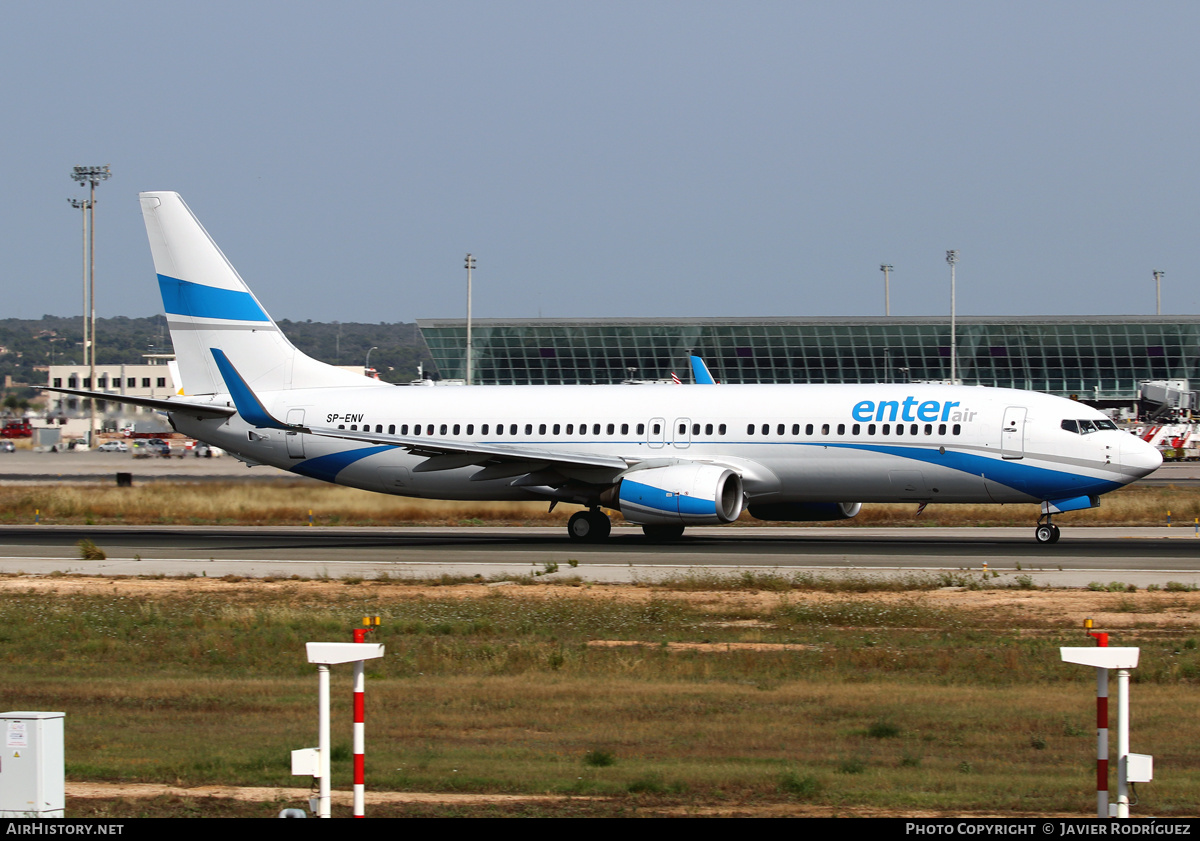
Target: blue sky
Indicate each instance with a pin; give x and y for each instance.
(613, 159)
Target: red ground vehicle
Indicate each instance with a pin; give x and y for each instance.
(17, 428)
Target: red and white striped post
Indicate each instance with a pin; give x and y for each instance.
(1101, 729)
(1102, 658)
(360, 724)
(324, 655)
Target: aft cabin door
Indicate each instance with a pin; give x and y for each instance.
(1012, 434)
(295, 441)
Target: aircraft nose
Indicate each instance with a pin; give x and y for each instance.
(1139, 457)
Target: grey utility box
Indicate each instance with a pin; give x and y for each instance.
(32, 765)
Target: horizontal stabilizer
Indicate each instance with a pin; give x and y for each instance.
(199, 410)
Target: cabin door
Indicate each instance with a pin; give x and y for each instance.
(1012, 433)
(295, 441)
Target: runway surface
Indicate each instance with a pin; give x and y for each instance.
(1084, 555)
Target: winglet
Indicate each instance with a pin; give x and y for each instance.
(700, 372)
(244, 399)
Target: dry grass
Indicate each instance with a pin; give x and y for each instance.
(288, 502)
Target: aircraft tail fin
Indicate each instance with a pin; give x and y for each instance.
(700, 372)
(208, 305)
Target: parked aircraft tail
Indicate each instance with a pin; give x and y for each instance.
(208, 306)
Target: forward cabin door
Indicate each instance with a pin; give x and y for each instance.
(1012, 433)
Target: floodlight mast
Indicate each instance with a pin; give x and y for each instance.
(952, 259)
(90, 175)
(887, 269)
(470, 266)
(1158, 276)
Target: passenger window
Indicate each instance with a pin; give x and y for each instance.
(457, 428)
(541, 429)
(695, 429)
(957, 430)
(899, 428)
(841, 429)
(528, 429)
(391, 429)
(854, 430)
(721, 429)
(610, 429)
(354, 426)
(570, 429)
(341, 426)
(749, 429)
(808, 429)
(941, 429)
(766, 429)
(483, 430)
(870, 429)
(824, 429)
(512, 429)
(887, 429)
(624, 429)
(779, 429)
(595, 429)
(470, 429)
(442, 429)
(657, 428)
(556, 428)
(404, 429)
(913, 429)
(708, 429)
(928, 429)
(641, 429)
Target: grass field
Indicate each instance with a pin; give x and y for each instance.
(726, 696)
(288, 502)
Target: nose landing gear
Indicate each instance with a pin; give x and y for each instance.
(1046, 532)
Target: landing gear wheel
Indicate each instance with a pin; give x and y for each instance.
(589, 526)
(1046, 533)
(662, 532)
(601, 525)
(1057, 533)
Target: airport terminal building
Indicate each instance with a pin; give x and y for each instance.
(1095, 358)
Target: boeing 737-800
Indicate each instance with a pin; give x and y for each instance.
(665, 456)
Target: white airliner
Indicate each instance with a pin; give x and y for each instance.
(665, 456)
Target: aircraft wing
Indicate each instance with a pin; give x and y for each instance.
(199, 410)
(498, 460)
(446, 453)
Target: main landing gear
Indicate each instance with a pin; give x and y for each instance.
(1046, 532)
(591, 526)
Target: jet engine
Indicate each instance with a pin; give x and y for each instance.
(805, 511)
(691, 494)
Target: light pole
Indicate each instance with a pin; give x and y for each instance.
(470, 265)
(952, 258)
(84, 205)
(367, 364)
(1158, 291)
(887, 296)
(91, 175)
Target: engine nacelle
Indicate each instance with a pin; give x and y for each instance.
(691, 494)
(805, 511)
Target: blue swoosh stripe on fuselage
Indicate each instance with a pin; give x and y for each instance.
(1040, 482)
(326, 468)
(182, 297)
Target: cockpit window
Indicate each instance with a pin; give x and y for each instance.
(1083, 427)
